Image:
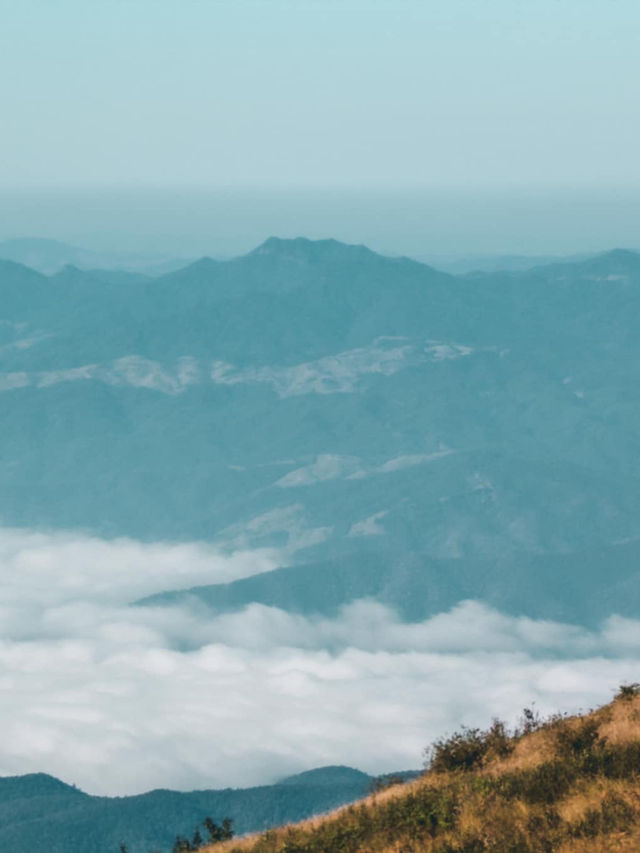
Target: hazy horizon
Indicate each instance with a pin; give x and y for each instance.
(426, 129)
(421, 223)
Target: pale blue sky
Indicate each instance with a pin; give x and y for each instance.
(319, 92)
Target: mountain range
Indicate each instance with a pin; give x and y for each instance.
(394, 432)
(38, 806)
(50, 256)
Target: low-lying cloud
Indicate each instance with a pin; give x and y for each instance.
(49, 568)
(120, 699)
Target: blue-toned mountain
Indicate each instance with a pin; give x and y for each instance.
(335, 404)
(37, 807)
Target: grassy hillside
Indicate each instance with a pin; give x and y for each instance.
(567, 784)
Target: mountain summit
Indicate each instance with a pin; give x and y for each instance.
(312, 251)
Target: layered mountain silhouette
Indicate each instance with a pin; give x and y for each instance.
(38, 806)
(50, 256)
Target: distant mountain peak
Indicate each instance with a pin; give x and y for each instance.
(70, 269)
(35, 785)
(303, 248)
(611, 264)
(202, 267)
(205, 263)
(617, 263)
(620, 256)
(15, 267)
(273, 245)
(621, 253)
(330, 775)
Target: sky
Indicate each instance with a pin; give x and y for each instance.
(205, 126)
(319, 92)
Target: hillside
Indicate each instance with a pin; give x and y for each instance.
(569, 785)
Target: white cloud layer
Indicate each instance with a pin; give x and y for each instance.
(119, 699)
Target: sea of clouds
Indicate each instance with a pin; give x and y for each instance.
(120, 699)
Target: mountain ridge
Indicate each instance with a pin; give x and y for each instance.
(445, 417)
(291, 247)
(77, 822)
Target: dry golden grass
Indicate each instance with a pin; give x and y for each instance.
(589, 796)
(621, 721)
(529, 752)
(493, 810)
(616, 842)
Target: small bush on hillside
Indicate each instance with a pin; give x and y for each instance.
(498, 742)
(578, 740)
(216, 833)
(382, 783)
(463, 750)
(543, 784)
(614, 814)
(469, 748)
(223, 832)
(530, 721)
(628, 691)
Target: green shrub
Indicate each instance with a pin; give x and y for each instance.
(382, 783)
(216, 833)
(578, 740)
(543, 784)
(497, 740)
(628, 691)
(530, 721)
(614, 814)
(467, 749)
(463, 750)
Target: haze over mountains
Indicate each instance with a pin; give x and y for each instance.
(50, 256)
(316, 476)
(410, 429)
